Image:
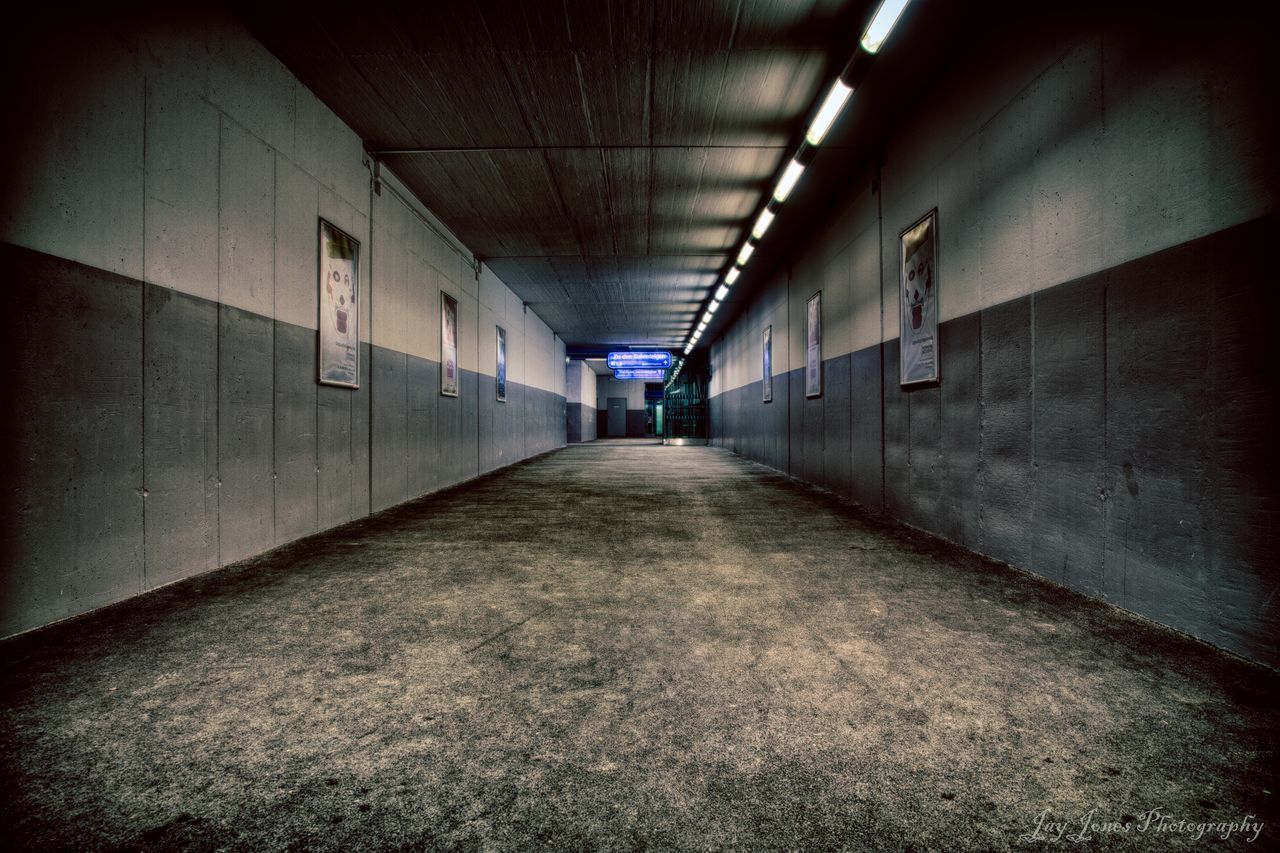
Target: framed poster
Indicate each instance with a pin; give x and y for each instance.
(813, 340)
(339, 321)
(767, 346)
(918, 359)
(448, 345)
(501, 372)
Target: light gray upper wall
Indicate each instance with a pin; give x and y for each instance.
(180, 420)
(1075, 153)
(189, 139)
(580, 383)
(739, 355)
(607, 386)
(1047, 161)
(200, 163)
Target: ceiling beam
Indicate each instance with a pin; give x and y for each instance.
(397, 152)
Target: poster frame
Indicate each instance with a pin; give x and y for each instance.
(766, 366)
(929, 318)
(448, 345)
(329, 370)
(500, 365)
(813, 346)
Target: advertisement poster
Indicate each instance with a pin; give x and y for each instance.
(768, 364)
(339, 315)
(919, 289)
(813, 338)
(501, 373)
(448, 345)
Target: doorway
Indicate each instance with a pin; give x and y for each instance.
(617, 415)
(653, 417)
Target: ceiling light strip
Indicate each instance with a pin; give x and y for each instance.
(886, 17)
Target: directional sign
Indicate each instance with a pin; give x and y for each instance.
(648, 374)
(639, 359)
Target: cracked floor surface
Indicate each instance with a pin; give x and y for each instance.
(621, 645)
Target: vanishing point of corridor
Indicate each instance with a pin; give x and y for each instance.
(621, 645)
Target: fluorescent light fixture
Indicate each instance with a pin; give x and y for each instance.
(711, 309)
(830, 109)
(702, 325)
(732, 276)
(788, 181)
(882, 24)
(745, 254)
(763, 221)
(688, 349)
(722, 293)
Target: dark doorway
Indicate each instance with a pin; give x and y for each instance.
(617, 417)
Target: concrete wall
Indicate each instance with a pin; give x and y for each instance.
(606, 387)
(1105, 416)
(580, 404)
(161, 184)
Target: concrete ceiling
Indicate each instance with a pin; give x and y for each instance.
(604, 157)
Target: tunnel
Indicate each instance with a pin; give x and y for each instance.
(639, 424)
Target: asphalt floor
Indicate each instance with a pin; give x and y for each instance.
(620, 646)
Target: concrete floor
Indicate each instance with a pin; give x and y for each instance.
(622, 645)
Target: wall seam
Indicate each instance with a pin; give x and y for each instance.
(316, 365)
(143, 350)
(881, 346)
(275, 414)
(1104, 539)
(1035, 465)
(1106, 449)
(217, 407)
(790, 402)
(368, 508)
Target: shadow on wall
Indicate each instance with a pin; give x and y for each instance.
(1113, 434)
(154, 435)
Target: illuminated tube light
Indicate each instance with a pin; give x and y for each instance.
(788, 181)
(711, 309)
(722, 293)
(745, 254)
(762, 223)
(882, 24)
(732, 275)
(830, 109)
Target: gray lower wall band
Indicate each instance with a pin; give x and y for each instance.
(153, 435)
(1114, 434)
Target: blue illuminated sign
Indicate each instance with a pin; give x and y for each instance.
(648, 374)
(639, 359)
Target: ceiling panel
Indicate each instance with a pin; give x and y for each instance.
(617, 88)
(471, 102)
(551, 95)
(604, 157)
(628, 179)
(618, 26)
(579, 178)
